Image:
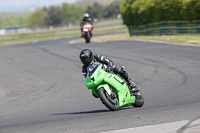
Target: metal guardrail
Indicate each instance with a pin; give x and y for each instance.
(167, 28)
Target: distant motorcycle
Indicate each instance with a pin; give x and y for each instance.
(87, 32)
(112, 90)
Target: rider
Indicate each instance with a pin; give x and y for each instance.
(87, 57)
(86, 19)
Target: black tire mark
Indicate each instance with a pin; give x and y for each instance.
(59, 56)
(183, 75)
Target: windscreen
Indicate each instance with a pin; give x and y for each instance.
(92, 68)
(87, 26)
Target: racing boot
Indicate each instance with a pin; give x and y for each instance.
(122, 72)
(132, 86)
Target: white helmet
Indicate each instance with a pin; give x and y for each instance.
(86, 15)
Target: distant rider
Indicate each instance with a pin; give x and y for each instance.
(86, 19)
(87, 58)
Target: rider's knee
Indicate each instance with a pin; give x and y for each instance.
(117, 69)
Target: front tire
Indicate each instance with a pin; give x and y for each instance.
(139, 99)
(110, 101)
(87, 38)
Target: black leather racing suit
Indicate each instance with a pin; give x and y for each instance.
(84, 21)
(115, 68)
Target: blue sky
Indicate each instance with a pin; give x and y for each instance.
(23, 5)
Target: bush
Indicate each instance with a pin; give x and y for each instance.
(191, 9)
(140, 12)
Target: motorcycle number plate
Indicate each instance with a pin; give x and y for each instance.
(85, 29)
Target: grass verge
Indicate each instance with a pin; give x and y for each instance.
(185, 39)
(99, 28)
(65, 32)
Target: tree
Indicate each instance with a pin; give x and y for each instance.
(112, 10)
(95, 11)
(141, 12)
(72, 13)
(37, 19)
(190, 9)
(55, 16)
(126, 11)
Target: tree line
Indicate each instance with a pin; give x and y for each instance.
(11, 19)
(65, 14)
(71, 14)
(55, 16)
(141, 12)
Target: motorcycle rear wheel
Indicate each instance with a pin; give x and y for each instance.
(110, 101)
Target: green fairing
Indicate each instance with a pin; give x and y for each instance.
(122, 89)
(98, 78)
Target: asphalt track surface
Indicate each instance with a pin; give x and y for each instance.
(42, 88)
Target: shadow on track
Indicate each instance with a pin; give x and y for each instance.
(93, 111)
(84, 112)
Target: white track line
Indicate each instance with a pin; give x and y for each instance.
(185, 126)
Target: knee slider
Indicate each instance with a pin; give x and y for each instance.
(117, 69)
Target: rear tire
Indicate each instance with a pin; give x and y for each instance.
(139, 100)
(110, 101)
(87, 37)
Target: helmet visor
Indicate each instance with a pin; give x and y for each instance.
(84, 60)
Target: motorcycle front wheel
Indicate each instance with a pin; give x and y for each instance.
(110, 101)
(139, 100)
(87, 38)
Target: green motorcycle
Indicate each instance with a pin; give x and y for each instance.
(112, 90)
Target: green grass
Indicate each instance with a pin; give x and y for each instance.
(185, 39)
(99, 28)
(32, 37)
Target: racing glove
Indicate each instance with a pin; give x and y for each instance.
(107, 68)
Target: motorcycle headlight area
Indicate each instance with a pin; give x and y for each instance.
(85, 29)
